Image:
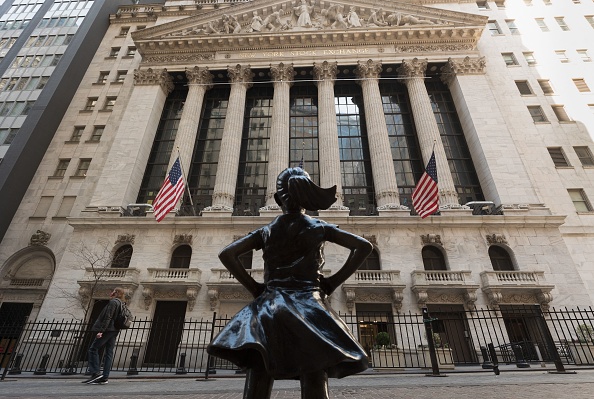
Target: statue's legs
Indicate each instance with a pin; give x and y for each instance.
(314, 385)
(258, 383)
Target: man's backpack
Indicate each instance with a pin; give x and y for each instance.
(124, 317)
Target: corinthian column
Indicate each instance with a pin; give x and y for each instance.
(126, 161)
(278, 154)
(329, 154)
(224, 189)
(199, 81)
(413, 73)
(382, 163)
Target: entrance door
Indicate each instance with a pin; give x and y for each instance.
(451, 330)
(525, 328)
(88, 335)
(166, 333)
(13, 316)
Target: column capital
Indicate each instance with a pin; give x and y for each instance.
(325, 70)
(150, 76)
(240, 74)
(282, 73)
(200, 76)
(466, 66)
(414, 68)
(368, 70)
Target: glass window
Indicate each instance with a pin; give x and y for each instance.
(509, 59)
(558, 157)
(91, 102)
(56, 59)
(124, 30)
(61, 168)
(500, 259)
(77, 133)
(581, 85)
(562, 24)
(11, 135)
(482, 4)
(541, 24)
(122, 256)
(372, 262)
(5, 108)
(3, 83)
(3, 135)
(590, 20)
(547, 2)
(19, 106)
(493, 27)
(562, 56)
(83, 167)
(12, 83)
(511, 24)
(131, 51)
(580, 200)
(537, 113)
(97, 133)
(22, 83)
(584, 55)
(546, 87)
(27, 108)
(102, 77)
(585, 155)
(114, 51)
(109, 103)
(529, 57)
(42, 82)
(560, 113)
(433, 258)
(524, 87)
(180, 259)
(121, 76)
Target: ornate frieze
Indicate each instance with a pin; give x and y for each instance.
(240, 74)
(125, 239)
(325, 71)
(199, 76)
(40, 238)
(466, 66)
(150, 76)
(433, 48)
(431, 239)
(414, 68)
(368, 70)
(496, 239)
(176, 58)
(282, 73)
(182, 239)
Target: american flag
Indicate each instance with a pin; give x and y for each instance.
(170, 192)
(425, 197)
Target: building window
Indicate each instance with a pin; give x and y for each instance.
(42, 82)
(56, 59)
(580, 200)
(109, 103)
(91, 102)
(560, 113)
(11, 135)
(511, 24)
(97, 133)
(3, 135)
(541, 24)
(576, 1)
(77, 133)
(114, 52)
(433, 258)
(124, 30)
(585, 155)
(500, 259)
(545, 86)
(547, 2)
(482, 4)
(528, 3)
(581, 85)
(524, 87)
(121, 76)
(562, 56)
(562, 23)
(42, 207)
(61, 169)
(537, 113)
(122, 256)
(83, 167)
(65, 207)
(102, 77)
(372, 262)
(584, 55)
(180, 259)
(494, 28)
(558, 157)
(529, 57)
(131, 51)
(303, 128)
(509, 58)
(590, 19)
(500, 4)
(141, 27)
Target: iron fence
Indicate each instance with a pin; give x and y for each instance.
(517, 334)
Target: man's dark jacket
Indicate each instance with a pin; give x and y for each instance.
(106, 317)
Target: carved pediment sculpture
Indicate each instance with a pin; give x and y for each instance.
(40, 238)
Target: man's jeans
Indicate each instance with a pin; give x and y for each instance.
(108, 340)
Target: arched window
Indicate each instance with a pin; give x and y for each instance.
(180, 259)
(500, 259)
(246, 259)
(122, 256)
(372, 262)
(433, 258)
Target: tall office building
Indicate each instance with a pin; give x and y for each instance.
(362, 93)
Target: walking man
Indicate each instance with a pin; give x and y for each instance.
(106, 337)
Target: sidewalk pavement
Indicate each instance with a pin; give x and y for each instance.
(510, 384)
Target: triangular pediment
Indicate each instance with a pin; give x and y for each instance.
(273, 24)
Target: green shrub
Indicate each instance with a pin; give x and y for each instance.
(382, 339)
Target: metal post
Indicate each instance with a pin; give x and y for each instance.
(41, 370)
(432, 353)
(519, 355)
(486, 361)
(210, 358)
(182, 361)
(494, 358)
(550, 343)
(132, 370)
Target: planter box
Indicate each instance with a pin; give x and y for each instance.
(422, 359)
(387, 358)
(582, 353)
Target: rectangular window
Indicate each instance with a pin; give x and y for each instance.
(56, 59)
(131, 51)
(482, 4)
(545, 86)
(65, 207)
(91, 102)
(560, 113)
(585, 155)
(42, 207)
(579, 199)
(22, 83)
(529, 57)
(541, 24)
(109, 103)
(121, 76)
(114, 51)
(11, 135)
(11, 84)
(537, 113)
(528, 3)
(562, 23)
(584, 55)
(581, 85)
(102, 77)
(511, 25)
(3, 135)
(558, 157)
(524, 87)
(83, 167)
(77, 133)
(500, 4)
(562, 56)
(61, 169)
(493, 27)
(124, 30)
(42, 82)
(141, 27)
(27, 108)
(509, 58)
(590, 19)
(547, 2)
(97, 133)
(19, 106)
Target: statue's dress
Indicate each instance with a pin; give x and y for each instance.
(291, 325)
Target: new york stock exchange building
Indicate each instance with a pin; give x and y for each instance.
(361, 94)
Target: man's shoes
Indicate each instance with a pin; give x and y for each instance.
(100, 381)
(93, 378)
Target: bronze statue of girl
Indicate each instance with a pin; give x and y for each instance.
(289, 331)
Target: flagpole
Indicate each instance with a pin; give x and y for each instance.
(187, 183)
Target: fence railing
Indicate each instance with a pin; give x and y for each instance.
(521, 335)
